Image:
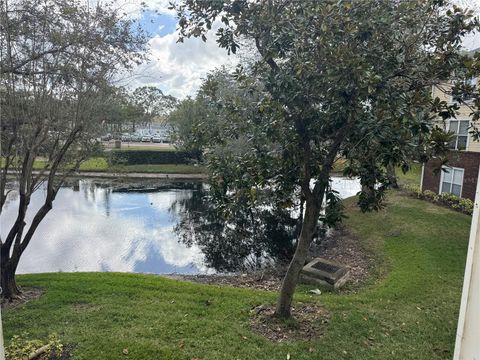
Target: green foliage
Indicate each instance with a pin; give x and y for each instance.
(139, 157)
(154, 104)
(327, 84)
(188, 120)
(412, 176)
(454, 202)
(20, 347)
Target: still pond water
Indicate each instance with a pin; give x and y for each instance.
(100, 227)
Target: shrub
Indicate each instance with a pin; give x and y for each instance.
(21, 348)
(143, 157)
(430, 195)
(414, 190)
(466, 205)
(449, 200)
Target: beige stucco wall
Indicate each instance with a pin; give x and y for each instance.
(442, 92)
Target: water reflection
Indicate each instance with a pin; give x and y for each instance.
(93, 227)
(97, 226)
(241, 237)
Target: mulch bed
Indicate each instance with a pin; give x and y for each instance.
(343, 247)
(269, 280)
(28, 293)
(339, 246)
(308, 323)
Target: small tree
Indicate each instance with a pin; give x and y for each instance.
(340, 78)
(57, 57)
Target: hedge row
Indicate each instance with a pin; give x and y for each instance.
(446, 199)
(142, 157)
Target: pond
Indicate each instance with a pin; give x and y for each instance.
(98, 226)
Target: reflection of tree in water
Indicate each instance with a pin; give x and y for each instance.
(246, 238)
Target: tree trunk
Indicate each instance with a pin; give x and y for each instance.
(290, 280)
(392, 177)
(10, 290)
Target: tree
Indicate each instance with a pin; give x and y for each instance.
(120, 112)
(153, 102)
(57, 58)
(197, 121)
(339, 78)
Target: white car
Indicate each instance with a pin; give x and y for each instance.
(157, 139)
(135, 137)
(146, 138)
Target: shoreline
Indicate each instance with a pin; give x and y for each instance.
(132, 175)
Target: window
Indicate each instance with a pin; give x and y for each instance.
(460, 130)
(451, 181)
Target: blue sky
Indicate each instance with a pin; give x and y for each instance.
(158, 24)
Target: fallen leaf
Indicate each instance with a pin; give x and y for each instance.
(288, 356)
(125, 351)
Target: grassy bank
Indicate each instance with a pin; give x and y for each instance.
(411, 177)
(408, 310)
(101, 164)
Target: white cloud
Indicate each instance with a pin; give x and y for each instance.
(133, 7)
(81, 235)
(178, 68)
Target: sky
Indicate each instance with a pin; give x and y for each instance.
(178, 68)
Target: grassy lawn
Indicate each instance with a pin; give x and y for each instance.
(412, 177)
(100, 164)
(408, 310)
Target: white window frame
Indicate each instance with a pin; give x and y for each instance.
(456, 135)
(453, 176)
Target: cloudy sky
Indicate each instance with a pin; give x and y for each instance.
(178, 68)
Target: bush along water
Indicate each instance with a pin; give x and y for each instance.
(452, 201)
(143, 157)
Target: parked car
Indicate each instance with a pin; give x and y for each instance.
(126, 137)
(106, 137)
(135, 137)
(156, 139)
(146, 138)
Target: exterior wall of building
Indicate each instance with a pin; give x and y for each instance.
(442, 92)
(469, 161)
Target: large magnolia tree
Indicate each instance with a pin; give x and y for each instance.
(57, 58)
(348, 79)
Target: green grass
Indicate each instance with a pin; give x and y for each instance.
(407, 310)
(95, 164)
(100, 164)
(411, 177)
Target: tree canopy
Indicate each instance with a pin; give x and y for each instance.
(57, 62)
(349, 79)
